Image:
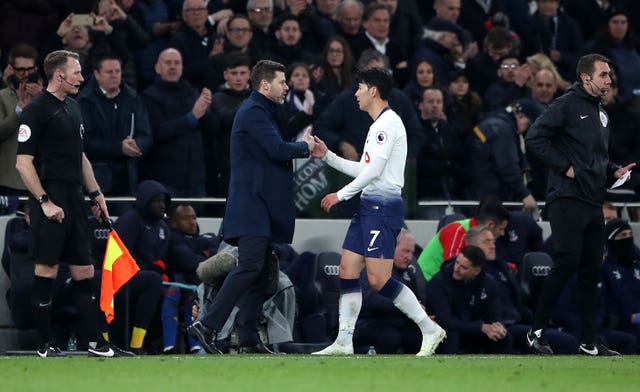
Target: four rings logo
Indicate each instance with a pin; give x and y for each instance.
(100, 234)
(540, 270)
(331, 270)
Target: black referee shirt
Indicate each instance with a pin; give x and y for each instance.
(51, 131)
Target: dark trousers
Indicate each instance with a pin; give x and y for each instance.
(578, 238)
(243, 287)
(560, 342)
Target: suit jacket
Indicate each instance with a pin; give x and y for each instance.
(260, 200)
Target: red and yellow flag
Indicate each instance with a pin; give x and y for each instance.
(117, 268)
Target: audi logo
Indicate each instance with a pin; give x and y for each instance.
(540, 270)
(101, 234)
(331, 270)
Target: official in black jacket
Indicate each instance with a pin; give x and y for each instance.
(572, 136)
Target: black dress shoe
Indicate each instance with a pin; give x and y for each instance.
(257, 349)
(206, 336)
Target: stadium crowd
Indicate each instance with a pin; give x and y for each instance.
(164, 79)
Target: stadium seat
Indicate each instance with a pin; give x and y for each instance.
(449, 218)
(328, 283)
(534, 269)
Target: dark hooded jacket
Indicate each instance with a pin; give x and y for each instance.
(146, 237)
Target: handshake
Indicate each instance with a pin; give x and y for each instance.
(317, 148)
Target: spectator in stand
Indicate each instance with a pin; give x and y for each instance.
(117, 131)
(496, 162)
(380, 323)
(405, 28)
(543, 87)
(260, 13)
(465, 105)
(589, 14)
(376, 21)
(450, 10)
(146, 235)
(224, 104)
(315, 29)
(443, 50)
(511, 84)
(196, 41)
(302, 104)
(288, 48)
(474, 16)
(448, 241)
(180, 121)
(522, 235)
(334, 74)
(617, 41)
(24, 85)
(555, 34)
(154, 17)
(441, 155)
(540, 61)
(422, 78)
(349, 21)
(90, 42)
(465, 301)
(483, 69)
(128, 31)
(327, 9)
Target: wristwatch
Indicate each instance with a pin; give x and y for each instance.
(95, 194)
(43, 199)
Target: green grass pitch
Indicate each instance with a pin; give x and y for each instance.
(259, 373)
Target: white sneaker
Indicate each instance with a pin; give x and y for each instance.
(431, 342)
(336, 349)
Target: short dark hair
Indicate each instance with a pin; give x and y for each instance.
(173, 208)
(369, 55)
(265, 70)
(499, 37)
(57, 60)
(587, 63)
(236, 59)
(379, 78)
(286, 17)
(106, 56)
(491, 208)
(370, 8)
(474, 254)
(237, 16)
(22, 50)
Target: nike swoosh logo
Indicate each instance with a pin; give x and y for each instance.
(583, 117)
(372, 249)
(529, 341)
(594, 351)
(109, 353)
(42, 305)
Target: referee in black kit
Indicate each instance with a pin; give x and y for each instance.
(53, 166)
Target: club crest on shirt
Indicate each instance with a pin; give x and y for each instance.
(381, 137)
(24, 133)
(81, 131)
(161, 234)
(604, 119)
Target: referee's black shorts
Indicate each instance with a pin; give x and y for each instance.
(51, 242)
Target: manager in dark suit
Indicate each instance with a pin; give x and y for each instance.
(260, 207)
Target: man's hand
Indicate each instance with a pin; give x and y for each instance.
(623, 170)
(570, 173)
(52, 211)
(202, 103)
(65, 26)
(529, 203)
(320, 149)
(329, 201)
(494, 331)
(130, 148)
(307, 138)
(98, 204)
(349, 151)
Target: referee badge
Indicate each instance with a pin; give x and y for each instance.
(604, 119)
(81, 131)
(24, 133)
(381, 137)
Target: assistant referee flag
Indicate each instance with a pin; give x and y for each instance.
(117, 268)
